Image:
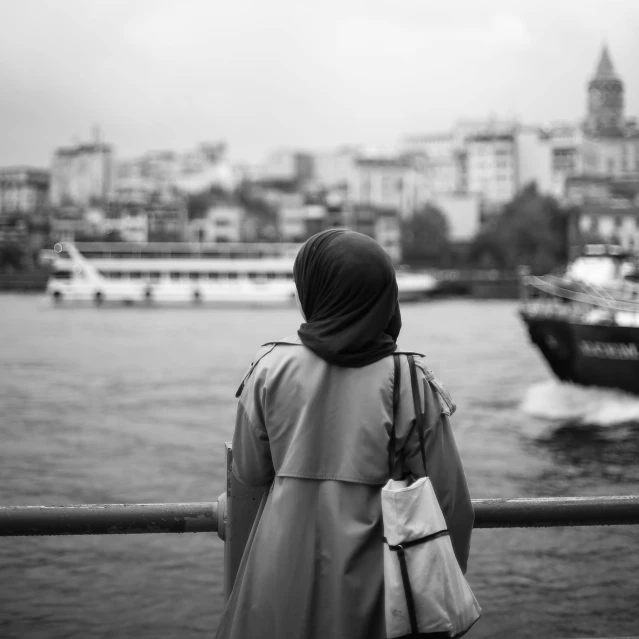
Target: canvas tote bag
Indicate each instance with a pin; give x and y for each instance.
(424, 588)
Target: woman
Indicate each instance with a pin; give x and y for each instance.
(313, 422)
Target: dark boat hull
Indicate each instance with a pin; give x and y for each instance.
(592, 355)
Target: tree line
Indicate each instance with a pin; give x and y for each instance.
(530, 230)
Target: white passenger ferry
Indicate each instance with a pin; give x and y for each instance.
(193, 273)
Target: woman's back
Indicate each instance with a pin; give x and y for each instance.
(313, 423)
(324, 421)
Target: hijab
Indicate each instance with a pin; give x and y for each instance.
(348, 292)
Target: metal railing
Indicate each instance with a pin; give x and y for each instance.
(232, 516)
(108, 519)
(197, 517)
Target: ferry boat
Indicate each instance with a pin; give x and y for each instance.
(585, 321)
(186, 273)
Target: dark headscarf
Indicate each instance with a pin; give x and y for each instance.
(348, 292)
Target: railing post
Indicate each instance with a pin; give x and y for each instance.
(523, 272)
(242, 504)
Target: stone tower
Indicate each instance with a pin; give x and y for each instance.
(605, 100)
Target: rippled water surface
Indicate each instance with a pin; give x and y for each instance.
(134, 405)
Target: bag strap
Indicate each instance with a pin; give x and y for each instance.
(419, 414)
(408, 592)
(396, 388)
(419, 424)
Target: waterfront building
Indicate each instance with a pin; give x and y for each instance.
(287, 166)
(489, 159)
(82, 174)
(382, 224)
(605, 117)
(131, 226)
(606, 143)
(446, 164)
(167, 219)
(615, 221)
(192, 171)
(151, 170)
(336, 170)
(571, 154)
(492, 165)
(446, 154)
(24, 211)
(298, 219)
(496, 158)
(222, 223)
(23, 191)
(534, 158)
(395, 182)
(597, 165)
(387, 231)
(72, 224)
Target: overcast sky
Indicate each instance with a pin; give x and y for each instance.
(263, 74)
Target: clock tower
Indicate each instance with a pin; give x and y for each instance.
(605, 101)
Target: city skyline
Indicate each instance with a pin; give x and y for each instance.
(166, 75)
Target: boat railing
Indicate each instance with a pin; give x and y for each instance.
(587, 296)
(233, 514)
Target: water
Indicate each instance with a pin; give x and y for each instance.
(134, 405)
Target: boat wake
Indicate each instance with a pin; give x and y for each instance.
(590, 432)
(565, 402)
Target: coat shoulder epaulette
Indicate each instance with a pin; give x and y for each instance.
(264, 350)
(448, 405)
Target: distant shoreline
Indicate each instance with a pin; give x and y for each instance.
(24, 282)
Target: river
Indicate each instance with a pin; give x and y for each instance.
(110, 405)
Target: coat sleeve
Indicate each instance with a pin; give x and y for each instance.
(444, 467)
(252, 461)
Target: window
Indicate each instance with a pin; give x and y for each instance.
(155, 275)
(213, 275)
(289, 276)
(271, 276)
(62, 275)
(135, 275)
(618, 221)
(252, 275)
(175, 275)
(232, 276)
(194, 276)
(563, 159)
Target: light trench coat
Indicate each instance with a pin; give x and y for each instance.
(318, 435)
